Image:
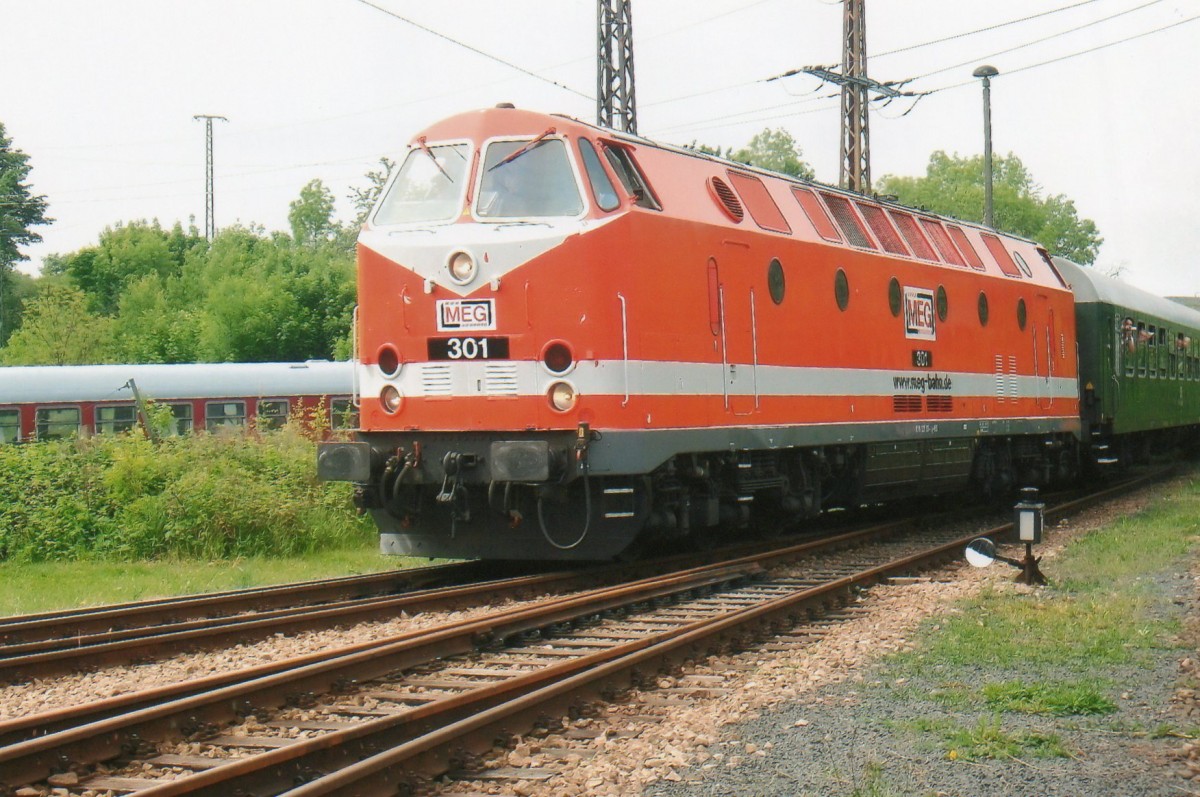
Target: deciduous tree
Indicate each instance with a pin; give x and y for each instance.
(58, 329)
(953, 185)
(777, 151)
(20, 211)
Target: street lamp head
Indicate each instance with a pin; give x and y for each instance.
(987, 70)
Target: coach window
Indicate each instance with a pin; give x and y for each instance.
(181, 419)
(1152, 350)
(57, 423)
(1142, 348)
(602, 187)
(343, 414)
(218, 414)
(115, 418)
(10, 426)
(1163, 351)
(272, 414)
(1172, 360)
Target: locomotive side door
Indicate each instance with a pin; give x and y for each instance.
(739, 332)
(1044, 331)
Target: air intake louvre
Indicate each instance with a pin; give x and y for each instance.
(500, 379)
(726, 199)
(435, 379)
(906, 403)
(939, 403)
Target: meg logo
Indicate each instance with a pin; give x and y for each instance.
(454, 315)
(918, 314)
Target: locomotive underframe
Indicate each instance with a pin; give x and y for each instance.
(562, 495)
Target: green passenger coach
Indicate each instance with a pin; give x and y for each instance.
(1139, 367)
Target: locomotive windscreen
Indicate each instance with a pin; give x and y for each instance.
(520, 180)
(429, 187)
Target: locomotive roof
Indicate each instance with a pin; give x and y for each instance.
(746, 167)
(47, 384)
(1090, 286)
(526, 122)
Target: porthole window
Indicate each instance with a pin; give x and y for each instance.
(983, 309)
(943, 304)
(894, 296)
(1021, 317)
(775, 281)
(841, 289)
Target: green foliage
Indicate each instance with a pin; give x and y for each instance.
(145, 294)
(15, 290)
(20, 211)
(126, 254)
(777, 151)
(988, 739)
(953, 186)
(121, 497)
(57, 329)
(364, 199)
(311, 215)
(1056, 698)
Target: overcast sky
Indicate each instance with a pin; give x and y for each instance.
(101, 96)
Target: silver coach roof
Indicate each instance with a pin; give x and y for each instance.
(1091, 286)
(46, 384)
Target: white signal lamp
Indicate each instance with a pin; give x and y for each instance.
(1028, 516)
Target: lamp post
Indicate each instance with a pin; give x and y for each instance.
(987, 72)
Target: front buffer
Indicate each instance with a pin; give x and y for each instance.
(479, 496)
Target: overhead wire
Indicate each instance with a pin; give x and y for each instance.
(476, 50)
(1033, 42)
(985, 29)
(703, 124)
(1076, 54)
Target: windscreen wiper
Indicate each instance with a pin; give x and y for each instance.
(425, 148)
(512, 156)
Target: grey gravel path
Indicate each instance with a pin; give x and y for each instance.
(859, 739)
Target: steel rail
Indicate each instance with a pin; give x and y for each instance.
(478, 721)
(36, 758)
(26, 628)
(381, 748)
(104, 739)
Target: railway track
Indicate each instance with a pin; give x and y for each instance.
(55, 643)
(362, 720)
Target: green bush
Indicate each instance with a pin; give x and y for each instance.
(199, 496)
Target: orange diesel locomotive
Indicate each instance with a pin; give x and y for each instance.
(572, 340)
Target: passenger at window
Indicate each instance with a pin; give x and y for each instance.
(1128, 340)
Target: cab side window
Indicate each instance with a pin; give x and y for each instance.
(631, 177)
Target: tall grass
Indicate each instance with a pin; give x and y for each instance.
(206, 496)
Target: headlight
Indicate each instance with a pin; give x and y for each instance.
(462, 268)
(391, 399)
(562, 396)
